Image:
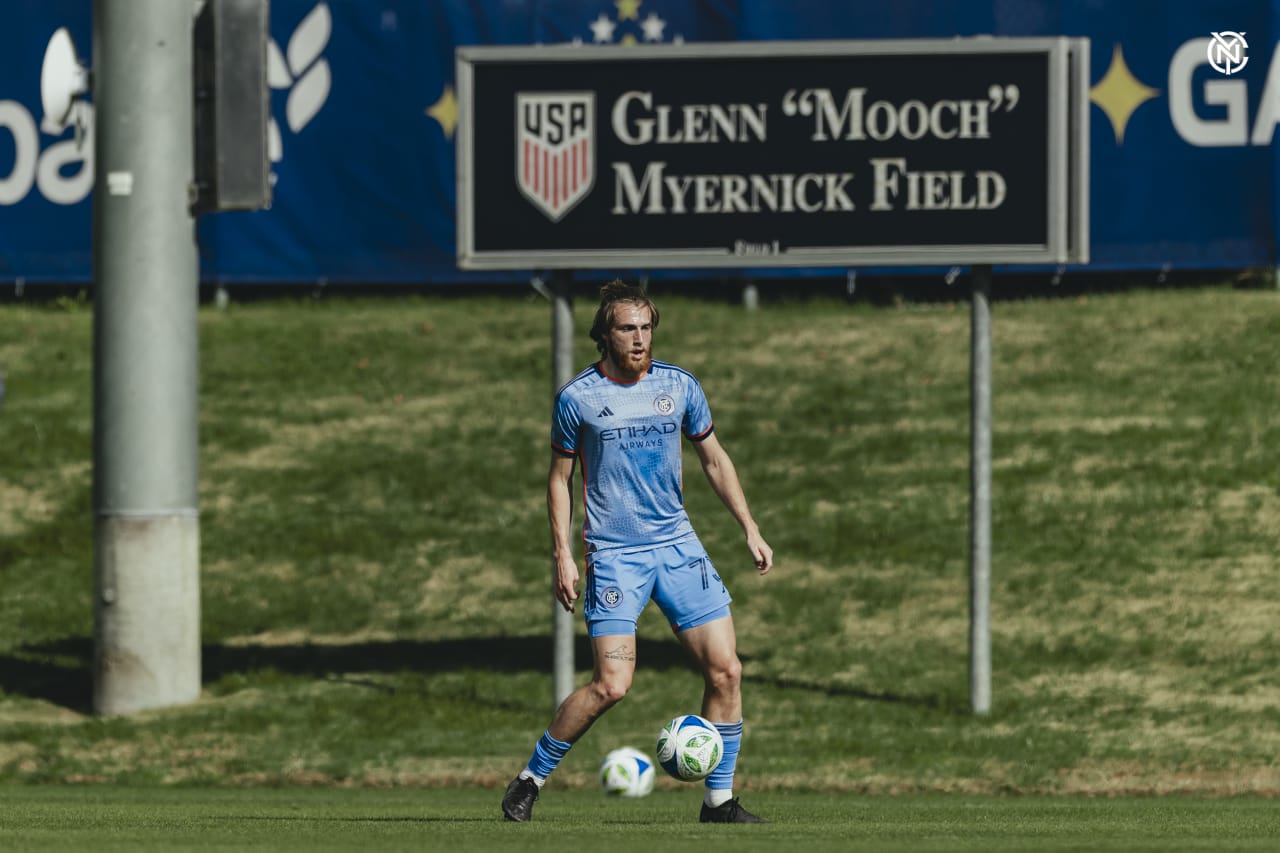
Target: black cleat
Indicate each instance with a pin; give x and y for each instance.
(730, 812)
(518, 803)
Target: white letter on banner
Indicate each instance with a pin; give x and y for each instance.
(991, 190)
(1269, 107)
(625, 184)
(678, 188)
(851, 112)
(886, 182)
(1233, 130)
(57, 187)
(643, 125)
(973, 120)
(935, 119)
(735, 192)
(26, 144)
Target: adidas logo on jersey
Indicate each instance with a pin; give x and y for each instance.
(606, 412)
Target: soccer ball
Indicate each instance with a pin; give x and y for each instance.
(626, 772)
(689, 748)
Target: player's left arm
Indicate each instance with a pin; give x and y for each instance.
(723, 477)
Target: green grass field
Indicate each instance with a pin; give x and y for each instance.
(376, 609)
(399, 819)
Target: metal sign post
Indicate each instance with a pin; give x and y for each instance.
(145, 438)
(561, 372)
(980, 494)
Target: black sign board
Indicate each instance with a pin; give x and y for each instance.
(774, 154)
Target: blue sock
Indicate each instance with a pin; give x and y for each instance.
(547, 753)
(722, 777)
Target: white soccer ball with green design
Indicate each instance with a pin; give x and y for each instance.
(626, 772)
(689, 748)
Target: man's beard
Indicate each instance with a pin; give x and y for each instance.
(622, 358)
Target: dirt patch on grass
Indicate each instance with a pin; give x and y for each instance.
(1224, 606)
(182, 758)
(858, 340)
(1130, 778)
(1257, 503)
(16, 353)
(282, 571)
(462, 586)
(806, 573)
(20, 507)
(300, 637)
(1110, 424)
(1220, 609)
(1168, 711)
(934, 610)
(1127, 685)
(400, 424)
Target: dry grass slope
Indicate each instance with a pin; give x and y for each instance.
(374, 547)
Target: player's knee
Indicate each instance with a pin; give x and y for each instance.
(725, 676)
(611, 691)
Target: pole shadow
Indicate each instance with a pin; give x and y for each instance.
(61, 671)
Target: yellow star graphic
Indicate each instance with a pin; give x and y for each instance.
(445, 111)
(628, 10)
(628, 40)
(1119, 94)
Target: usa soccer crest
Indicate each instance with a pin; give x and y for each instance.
(555, 156)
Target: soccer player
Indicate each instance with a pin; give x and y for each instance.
(623, 418)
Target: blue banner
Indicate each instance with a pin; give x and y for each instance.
(1186, 99)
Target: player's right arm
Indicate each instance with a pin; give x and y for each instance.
(560, 515)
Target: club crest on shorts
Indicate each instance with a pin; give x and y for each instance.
(555, 156)
(611, 596)
(664, 404)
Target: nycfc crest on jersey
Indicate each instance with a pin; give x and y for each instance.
(555, 157)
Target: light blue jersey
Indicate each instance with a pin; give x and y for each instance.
(627, 436)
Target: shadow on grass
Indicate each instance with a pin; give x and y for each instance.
(61, 671)
(784, 683)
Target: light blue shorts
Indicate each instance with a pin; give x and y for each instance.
(679, 577)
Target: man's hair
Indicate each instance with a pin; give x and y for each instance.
(611, 295)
